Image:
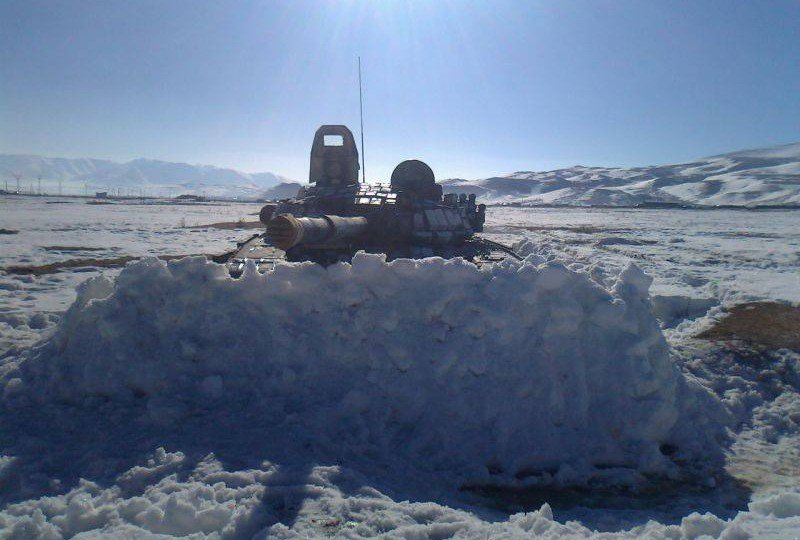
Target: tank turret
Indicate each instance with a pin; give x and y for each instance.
(335, 216)
(334, 158)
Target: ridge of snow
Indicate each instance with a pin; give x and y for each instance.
(424, 352)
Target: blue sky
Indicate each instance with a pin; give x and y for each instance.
(473, 88)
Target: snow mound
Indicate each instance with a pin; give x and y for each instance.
(513, 372)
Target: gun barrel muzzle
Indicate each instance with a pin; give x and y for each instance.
(286, 231)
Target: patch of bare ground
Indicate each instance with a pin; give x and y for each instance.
(656, 494)
(76, 264)
(579, 229)
(71, 248)
(231, 225)
(768, 324)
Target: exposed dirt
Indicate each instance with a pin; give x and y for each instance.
(619, 241)
(767, 324)
(655, 495)
(71, 248)
(579, 229)
(73, 264)
(231, 225)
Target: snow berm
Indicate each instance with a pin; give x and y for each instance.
(512, 371)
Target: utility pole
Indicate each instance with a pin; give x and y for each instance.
(17, 176)
(40, 185)
(59, 188)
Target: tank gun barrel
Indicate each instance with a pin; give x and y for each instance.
(286, 231)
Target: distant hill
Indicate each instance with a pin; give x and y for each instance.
(767, 176)
(284, 190)
(139, 175)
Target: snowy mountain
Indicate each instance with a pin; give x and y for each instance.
(769, 176)
(284, 190)
(50, 168)
(139, 175)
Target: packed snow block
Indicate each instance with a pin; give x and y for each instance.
(511, 371)
(674, 309)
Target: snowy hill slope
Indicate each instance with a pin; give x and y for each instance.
(284, 190)
(152, 176)
(32, 167)
(769, 176)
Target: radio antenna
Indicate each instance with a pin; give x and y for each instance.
(361, 108)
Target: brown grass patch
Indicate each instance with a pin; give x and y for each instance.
(231, 225)
(71, 264)
(71, 248)
(769, 324)
(580, 229)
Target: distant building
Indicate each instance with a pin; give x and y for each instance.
(195, 198)
(101, 195)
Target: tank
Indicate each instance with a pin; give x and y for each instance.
(336, 216)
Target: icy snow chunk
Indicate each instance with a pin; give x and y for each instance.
(706, 525)
(782, 505)
(94, 288)
(433, 363)
(160, 464)
(672, 309)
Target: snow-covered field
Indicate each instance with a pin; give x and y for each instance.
(52, 230)
(562, 397)
(729, 256)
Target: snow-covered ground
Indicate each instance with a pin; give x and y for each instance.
(769, 176)
(52, 230)
(725, 256)
(412, 400)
